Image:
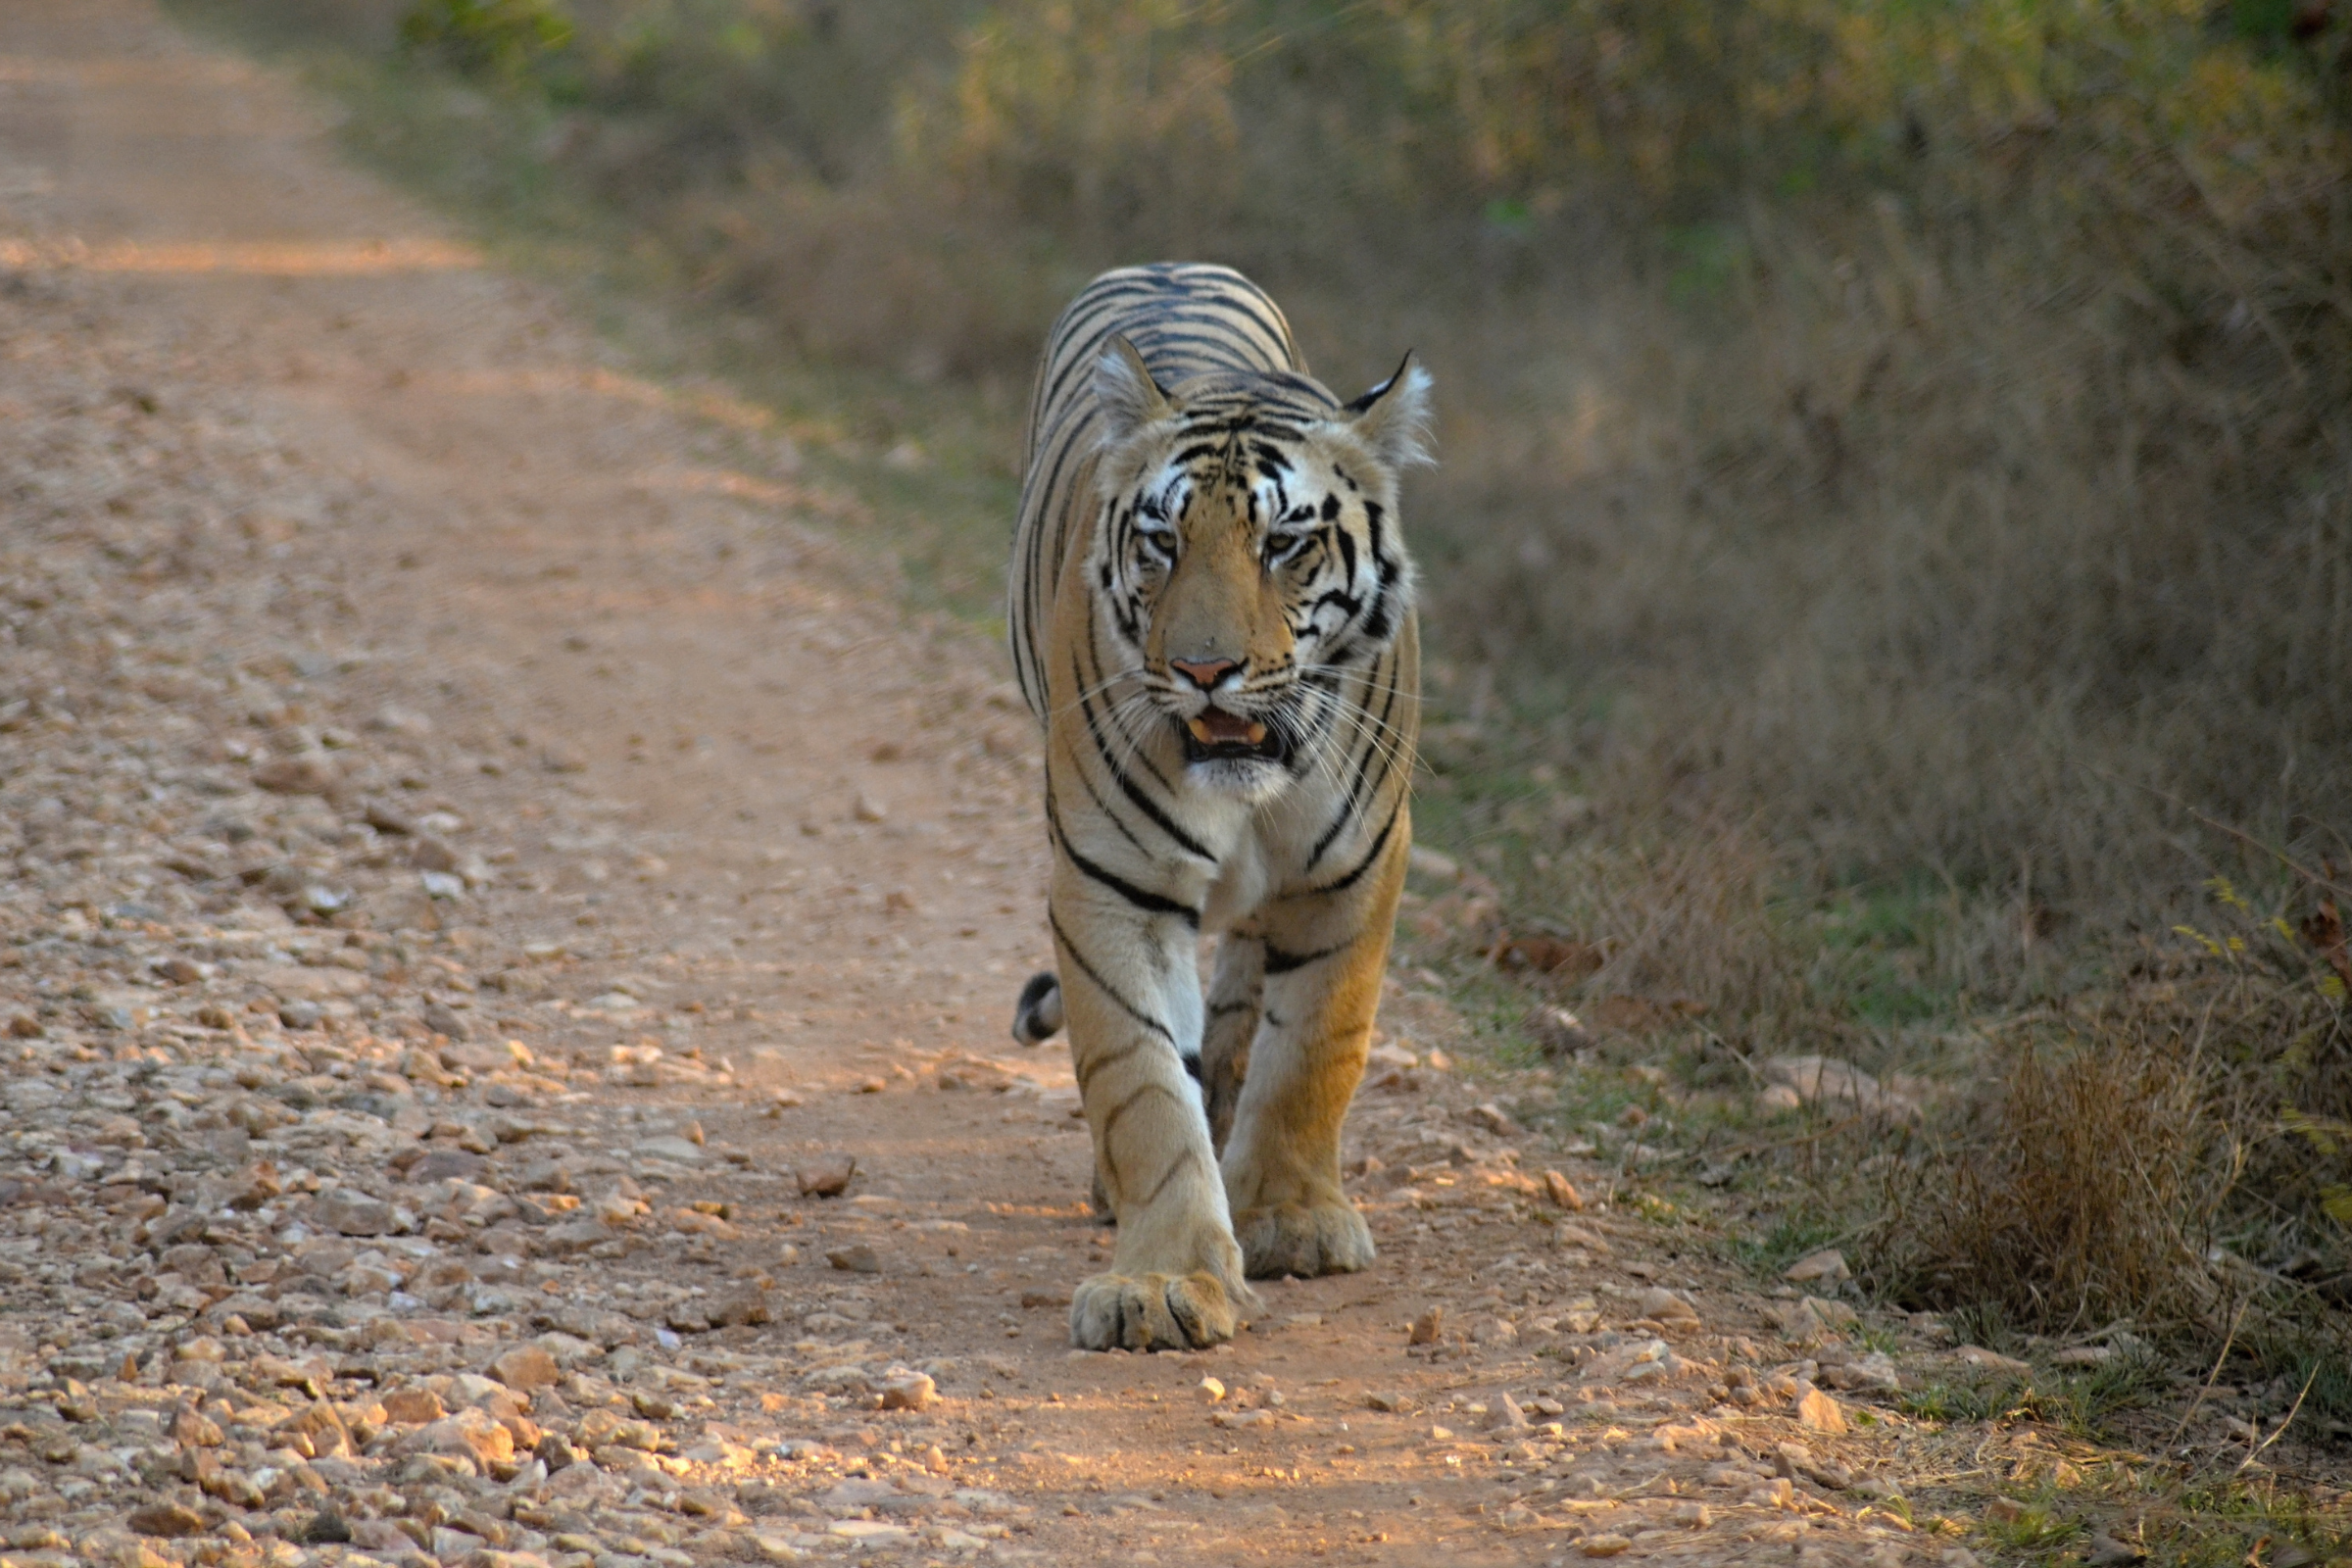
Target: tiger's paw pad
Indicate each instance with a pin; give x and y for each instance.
(1152, 1312)
(1303, 1239)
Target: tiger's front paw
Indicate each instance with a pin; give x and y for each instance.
(1152, 1312)
(1304, 1240)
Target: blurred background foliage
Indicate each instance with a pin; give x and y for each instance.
(1922, 424)
(1892, 551)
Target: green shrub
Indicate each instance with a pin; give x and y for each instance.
(503, 37)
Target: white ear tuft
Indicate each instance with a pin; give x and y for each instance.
(1393, 418)
(1130, 398)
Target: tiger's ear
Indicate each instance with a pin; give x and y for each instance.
(1130, 398)
(1393, 418)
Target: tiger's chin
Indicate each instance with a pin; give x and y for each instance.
(1229, 755)
(1248, 780)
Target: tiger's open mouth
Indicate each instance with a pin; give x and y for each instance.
(1214, 734)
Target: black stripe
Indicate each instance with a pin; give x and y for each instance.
(1167, 824)
(1142, 898)
(1121, 1109)
(1248, 420)
(1085, 359)
(1363, 767)
(1336, 596)
(1215, 326)
(1099, 806)
(1102, 326)
(1096, 315)
(1087, 969)
(1094, 654)
(1377, 625)
(1189, 1157)
(1281, 962)
(1170, 342)
(1035, 581)
(1135, 792)
(1217, 298)
(1278, 390)
(1094, 1064)
(1276, 322)
(1364, 864)
(1093, 730)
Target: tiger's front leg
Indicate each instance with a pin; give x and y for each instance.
(1323, 962)
(1132, 996)
(1232, 1024)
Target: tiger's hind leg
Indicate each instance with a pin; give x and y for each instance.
(1232, 1023)
(1323, 969)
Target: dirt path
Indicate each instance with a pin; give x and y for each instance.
(385, 678)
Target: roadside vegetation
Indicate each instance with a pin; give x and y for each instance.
(1890, 575)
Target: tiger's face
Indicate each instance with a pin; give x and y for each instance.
(1250, 553)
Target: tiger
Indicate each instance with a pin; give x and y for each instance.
(1211, 615)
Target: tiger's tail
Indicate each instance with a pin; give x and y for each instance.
(1037, 1015)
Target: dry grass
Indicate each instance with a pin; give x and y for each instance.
(1920, 583)
(2083, 1191)
(2170, 1153)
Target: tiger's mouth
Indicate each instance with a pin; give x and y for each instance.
(1214, 735)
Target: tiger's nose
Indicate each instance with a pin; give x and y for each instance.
(1206, 672)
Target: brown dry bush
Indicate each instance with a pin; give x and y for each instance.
(1689, 931)
(2081, 1191)
(1937, 578)
(2171, 1153)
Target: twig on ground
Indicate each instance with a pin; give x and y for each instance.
(2240, 834)
(2293, 1412)
(1747, 1062)
(1743, 1151)
(2215, 1376)
(2281, 855)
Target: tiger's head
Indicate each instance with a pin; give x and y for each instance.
(1250, 553)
